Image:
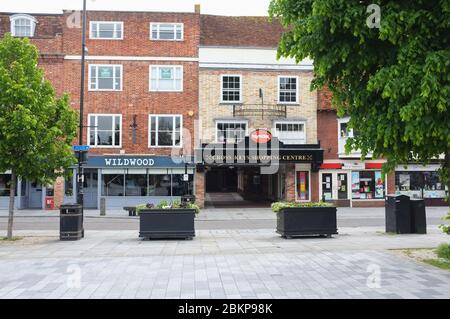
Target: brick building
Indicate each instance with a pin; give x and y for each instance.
(141, 101)
(245, 92)
(348, 181)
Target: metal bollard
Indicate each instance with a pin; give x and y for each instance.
(102, 206)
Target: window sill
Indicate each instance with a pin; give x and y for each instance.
(231, 103)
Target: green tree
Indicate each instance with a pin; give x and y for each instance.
(36, 128)
(393, 81)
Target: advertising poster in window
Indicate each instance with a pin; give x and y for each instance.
(302, 186)
(379, 186)
(355, 185)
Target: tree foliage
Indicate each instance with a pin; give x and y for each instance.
(393, 81)
(36, 128)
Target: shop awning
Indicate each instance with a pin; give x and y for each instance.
(331, 166)
(374, 165)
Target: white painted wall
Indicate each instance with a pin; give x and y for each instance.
(250, 58)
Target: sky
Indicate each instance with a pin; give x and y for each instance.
(219, 7)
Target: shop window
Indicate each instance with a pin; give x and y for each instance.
(105, 77)
(167, 31)
(113, 185)
(417, 184)
(5, 188)
(231, 132)
(433, 187)
(23, 25)
(367, 185)
(287, 90)
(136, 185)
(179, 186)
(231, 88)
(68, 186)
(159, 185)
(165, 130)
(106, 30)
(166, 78)
(302, 185)
(290, 132)
(105, 130)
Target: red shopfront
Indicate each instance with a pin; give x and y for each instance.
(353, 184)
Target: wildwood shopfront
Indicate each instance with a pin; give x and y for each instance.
(132, 180)
(260, 172)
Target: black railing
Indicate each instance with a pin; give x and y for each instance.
(262, 110)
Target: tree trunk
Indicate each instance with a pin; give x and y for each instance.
(12, 195)
(447, 172)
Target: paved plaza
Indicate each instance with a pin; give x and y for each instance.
(360, 262)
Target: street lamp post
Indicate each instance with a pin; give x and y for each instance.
(80, 177)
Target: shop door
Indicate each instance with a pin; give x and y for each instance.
(90, 188)
(327, 186)
(34, 196)
(342, 186)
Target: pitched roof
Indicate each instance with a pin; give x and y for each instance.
(240, 31)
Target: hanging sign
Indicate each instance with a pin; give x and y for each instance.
(261, 136)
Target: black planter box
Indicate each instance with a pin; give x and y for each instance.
(167, 224)
(307, 221)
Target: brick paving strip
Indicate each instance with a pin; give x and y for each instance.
(220, 264)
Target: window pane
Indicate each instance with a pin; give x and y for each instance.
(112, 185)
(104, 123)
(5, 180)
(179, 186)
(159, 185)
(136, 185)
(104, 138)
(165, 138)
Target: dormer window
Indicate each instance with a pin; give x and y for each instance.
(23, 25)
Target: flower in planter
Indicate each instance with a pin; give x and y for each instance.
(279, 206)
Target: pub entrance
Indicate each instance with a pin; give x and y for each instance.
(241, 187)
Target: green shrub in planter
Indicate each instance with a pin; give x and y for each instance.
(279, 206)
(446, 228)
(164, 205)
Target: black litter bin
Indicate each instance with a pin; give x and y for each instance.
(418, 216)
(71, 222)
(398, 214)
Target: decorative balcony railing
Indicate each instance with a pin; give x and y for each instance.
(260, 110)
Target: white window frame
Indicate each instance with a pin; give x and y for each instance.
(165, 66)
(217, 122)
(16, 17)
(92, 126)
(221, 88)
(157, 130)
(290, 122)
(106, 22)
(114, 77)
(175, 24)
(296, 92)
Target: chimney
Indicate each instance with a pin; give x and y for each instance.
(197, 8)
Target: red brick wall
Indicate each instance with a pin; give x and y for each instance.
(135, 99)
(136, 37)
(327, 134)
(200, 189)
